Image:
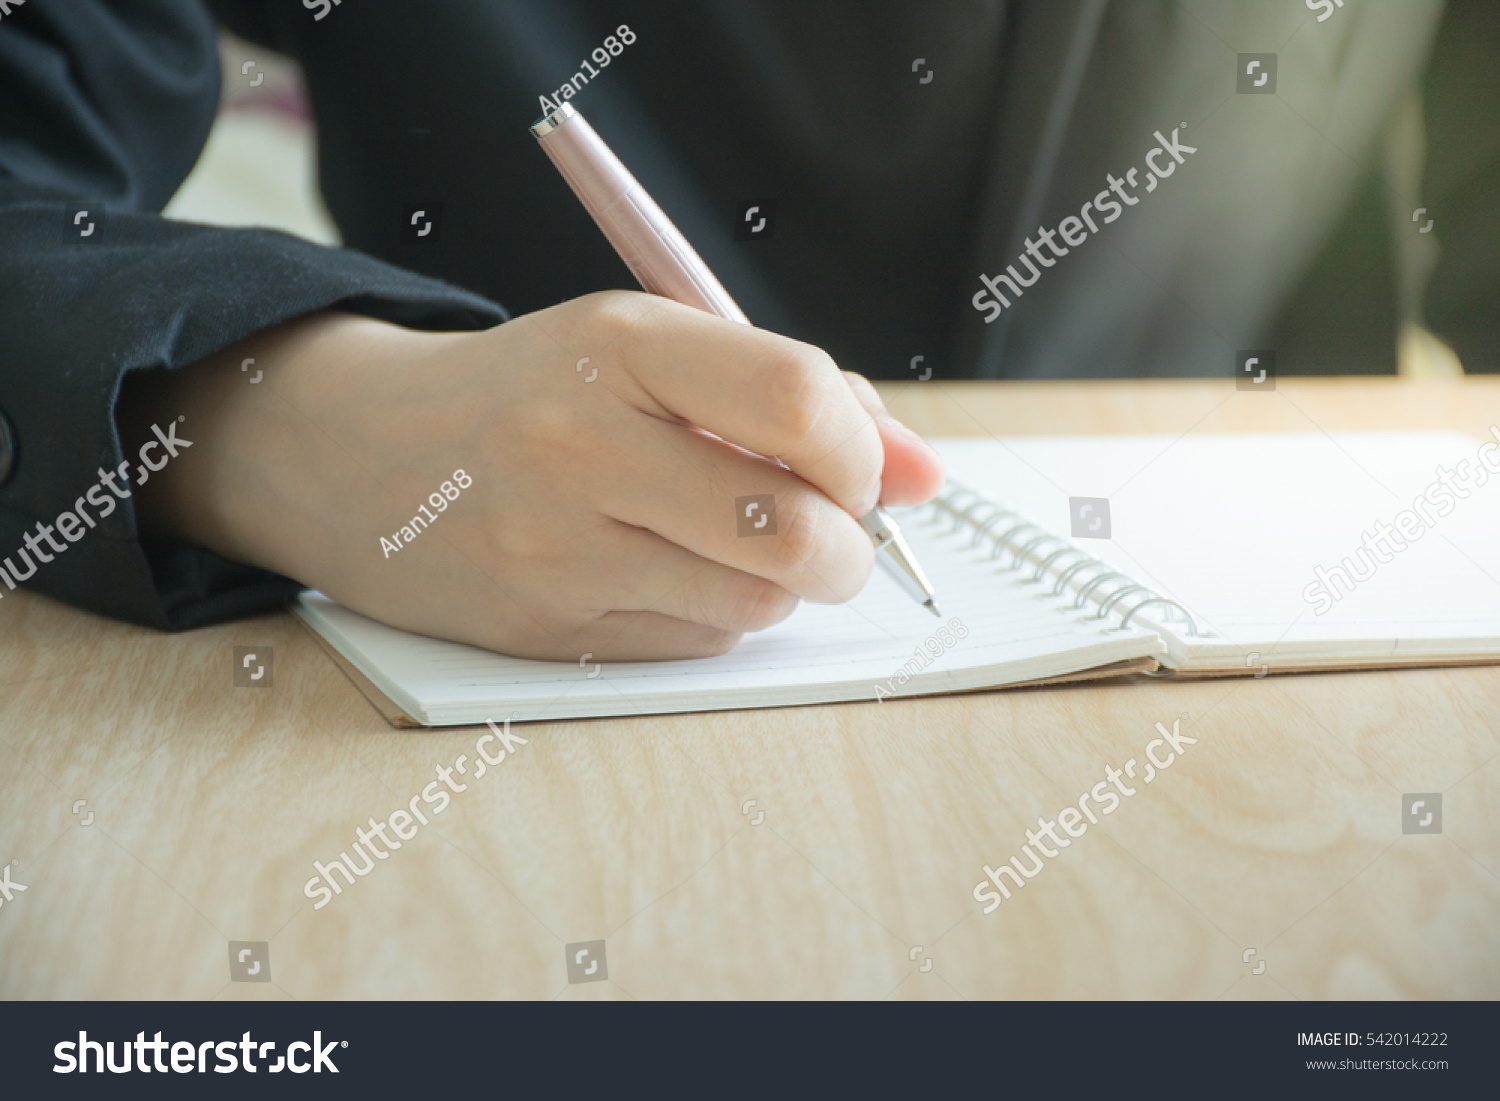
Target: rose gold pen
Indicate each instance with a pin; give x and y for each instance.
(660, 257)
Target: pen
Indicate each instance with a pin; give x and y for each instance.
(665, 264)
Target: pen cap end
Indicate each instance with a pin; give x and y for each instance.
(552, 120)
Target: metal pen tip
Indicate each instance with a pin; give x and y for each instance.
(895, 558)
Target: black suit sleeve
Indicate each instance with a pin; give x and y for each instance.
(104, 108)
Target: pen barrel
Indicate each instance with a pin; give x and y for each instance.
(656, 253)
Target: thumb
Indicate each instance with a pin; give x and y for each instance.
(913, 471)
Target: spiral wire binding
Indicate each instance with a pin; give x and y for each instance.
(967, 507)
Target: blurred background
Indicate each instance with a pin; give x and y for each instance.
(259, 167)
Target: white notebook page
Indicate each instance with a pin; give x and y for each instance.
(1232, 526)
(821, 653)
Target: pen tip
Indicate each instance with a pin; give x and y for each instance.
(932, 607)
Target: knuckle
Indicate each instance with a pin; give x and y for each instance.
(619, 316)
(802, 533)
(526, 548)
(867, 485)
(821, 551)
(796, 385)
(547, 426)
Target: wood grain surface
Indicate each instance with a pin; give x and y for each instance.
(850, 876)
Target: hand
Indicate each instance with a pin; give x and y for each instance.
(600, 516)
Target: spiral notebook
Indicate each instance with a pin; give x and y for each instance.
(1061, 559)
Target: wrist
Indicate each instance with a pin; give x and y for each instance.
(263, 419)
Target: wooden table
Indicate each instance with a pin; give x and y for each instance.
(1280, 831)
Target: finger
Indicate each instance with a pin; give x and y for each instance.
(734, 508)
(643, 636)
(913, 471)
(666, 578)
(763, 392)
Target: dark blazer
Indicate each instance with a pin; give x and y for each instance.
(904, 151)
